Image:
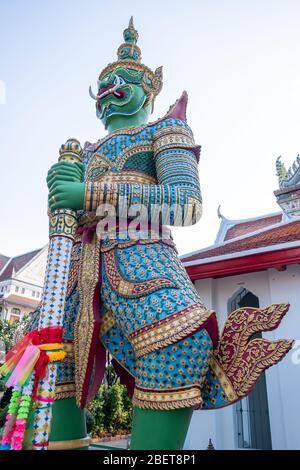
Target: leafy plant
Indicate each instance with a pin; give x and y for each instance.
(112, 410)
(90, 421)
(3, 413)
(11, 333)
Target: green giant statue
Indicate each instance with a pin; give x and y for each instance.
(127, 292)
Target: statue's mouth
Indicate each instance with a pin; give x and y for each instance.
(110, 90)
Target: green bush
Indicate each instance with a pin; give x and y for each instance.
(3, 413)
(2, 386)
(112, 410)
(10, 333)
(90, 421)
(6, 396)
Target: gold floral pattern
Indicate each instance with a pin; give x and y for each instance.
(63, 223)
(107, 322)
(84, 326)
(169, 330)
(74, 266)
(184, 397)
(127, 288)
(242, 359)
(172, 137)
(67, 390)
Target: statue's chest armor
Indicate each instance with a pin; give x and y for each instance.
(123, 158)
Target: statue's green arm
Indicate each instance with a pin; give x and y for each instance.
(177, 196)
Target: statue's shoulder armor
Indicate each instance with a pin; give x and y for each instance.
(87, 153)
(172, 131)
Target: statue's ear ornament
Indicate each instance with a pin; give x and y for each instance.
(158, 80)
(152, 84)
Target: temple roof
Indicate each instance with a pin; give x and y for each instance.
(13, 265)
(3, 261)
(243, 228)
(230, 229)
(265, 237)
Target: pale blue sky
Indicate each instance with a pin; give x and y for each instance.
(238, 60)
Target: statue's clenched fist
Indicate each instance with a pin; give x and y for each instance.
(66, 186)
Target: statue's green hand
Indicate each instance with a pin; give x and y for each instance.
(64, 171)
(66, 187)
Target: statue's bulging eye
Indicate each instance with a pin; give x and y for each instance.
(119, 80)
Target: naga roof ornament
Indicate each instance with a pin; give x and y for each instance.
(290, 177)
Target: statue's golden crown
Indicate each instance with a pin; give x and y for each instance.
(129, 56)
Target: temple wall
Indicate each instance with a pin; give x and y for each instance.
(283, 380)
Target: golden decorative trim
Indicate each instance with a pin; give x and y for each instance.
(132, 150)
(169, 330)
(69, 348)
(113, 243)
(173, 141)
(193, 209)
(85, 322)
(87, 218)
(223, 379)
(65, 391)
(243, 359)
(131, 130)
(167, 400)
(98, 165)
(63, 222)
(125, 176)
(128, 288)
(127, 46)
(71, 444)
(171, 130)
(130, 64)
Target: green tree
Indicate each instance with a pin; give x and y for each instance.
(10, 333)
(112, 410)
(112, 406)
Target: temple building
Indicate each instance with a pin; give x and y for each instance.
(255, 262)
(21, 283)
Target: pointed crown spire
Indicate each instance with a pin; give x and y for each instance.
(128, 49)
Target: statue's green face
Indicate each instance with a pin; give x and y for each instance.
(120, 93)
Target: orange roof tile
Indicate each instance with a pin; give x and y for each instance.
(282, 234)
(250, 226)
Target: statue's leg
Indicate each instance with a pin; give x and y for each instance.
(165, 346)
(160, 429)
(68, 429)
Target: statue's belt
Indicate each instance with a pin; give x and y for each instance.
(107, 227)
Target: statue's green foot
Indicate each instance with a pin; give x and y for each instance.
(68, 431)
(160, 429)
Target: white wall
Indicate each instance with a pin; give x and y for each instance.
(283, 380)
(34, 272)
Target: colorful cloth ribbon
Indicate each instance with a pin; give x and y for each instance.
(31, 354)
